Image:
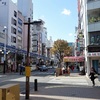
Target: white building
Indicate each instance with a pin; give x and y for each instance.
(2, 36)
(49, 45)
(89, 16)
(26, 7)
(8, 18)
(39, 37)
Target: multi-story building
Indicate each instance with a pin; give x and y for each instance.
(49, 45)
(39, 34)
(44, 41)
(9, 19)
(89, 17)
(71, 44)
(27, 12)
(20, 29)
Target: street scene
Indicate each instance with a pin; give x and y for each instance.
(49, 50)
(52, 87)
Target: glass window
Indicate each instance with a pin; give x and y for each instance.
(15, 13)
(19, 30)
(95, 38)
(19, 39)
(20, 21)
(13, 39)
(14, 22)
(13, 30)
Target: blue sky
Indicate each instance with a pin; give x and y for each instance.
(60, 17)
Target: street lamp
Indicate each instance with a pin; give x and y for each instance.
(5, 50)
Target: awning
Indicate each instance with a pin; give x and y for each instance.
(73, 59)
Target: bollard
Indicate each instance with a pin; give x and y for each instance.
(35, 85)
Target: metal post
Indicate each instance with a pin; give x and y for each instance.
(28, 49)
(35, 85)
(5, 50)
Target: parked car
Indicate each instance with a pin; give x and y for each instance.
(43, 68)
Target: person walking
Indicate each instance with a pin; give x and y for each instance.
(92, 75)
(68, 70)
(21, 69)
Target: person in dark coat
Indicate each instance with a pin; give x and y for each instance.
(92, 75)
(21, 69)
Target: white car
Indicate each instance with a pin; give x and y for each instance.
(43, 68)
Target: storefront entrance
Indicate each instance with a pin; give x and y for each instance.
(95, 64)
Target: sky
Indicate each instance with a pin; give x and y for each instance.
(60, 17)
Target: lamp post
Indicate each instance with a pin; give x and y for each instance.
(5, 50)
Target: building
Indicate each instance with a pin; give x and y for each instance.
(49, 45)
(39, 37)
(27, 12)
(9, 19)
(89, 24)
(71, 44)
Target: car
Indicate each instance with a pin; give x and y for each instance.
(43, 68)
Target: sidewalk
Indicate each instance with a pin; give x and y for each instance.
(53, 91)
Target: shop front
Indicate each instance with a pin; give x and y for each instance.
(94, 59)
(75, 61)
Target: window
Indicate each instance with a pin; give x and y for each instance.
(14, 22)
(15, 13)
(20, 47)
(94, 38)
(19, 21)
(13, 30)
(4, 3)
(13, 39)
(2, 35)
(19, 39)
(19, 30)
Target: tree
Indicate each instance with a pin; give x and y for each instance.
(61, 49)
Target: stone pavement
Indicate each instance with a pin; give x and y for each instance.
(73, 87)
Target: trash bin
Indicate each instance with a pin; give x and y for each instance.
(10, 92)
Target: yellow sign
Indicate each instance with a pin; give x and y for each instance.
(28, 71)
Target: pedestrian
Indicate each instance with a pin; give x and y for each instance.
(68, 70)
(21, 69)
(77, 67)
(63, 70)
(92, 75)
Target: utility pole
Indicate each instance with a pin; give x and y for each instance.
(27, 68)
(5, 28)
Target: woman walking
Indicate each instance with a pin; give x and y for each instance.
(92, 75)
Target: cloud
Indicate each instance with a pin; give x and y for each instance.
(70, 34)
(66, 12)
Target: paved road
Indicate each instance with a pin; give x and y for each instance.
(42, 77)
(50, 87)
(73, 87)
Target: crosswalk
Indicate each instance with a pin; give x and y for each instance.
(69, 80)
(43, 73)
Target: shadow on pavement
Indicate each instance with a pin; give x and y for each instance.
(65, 92)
